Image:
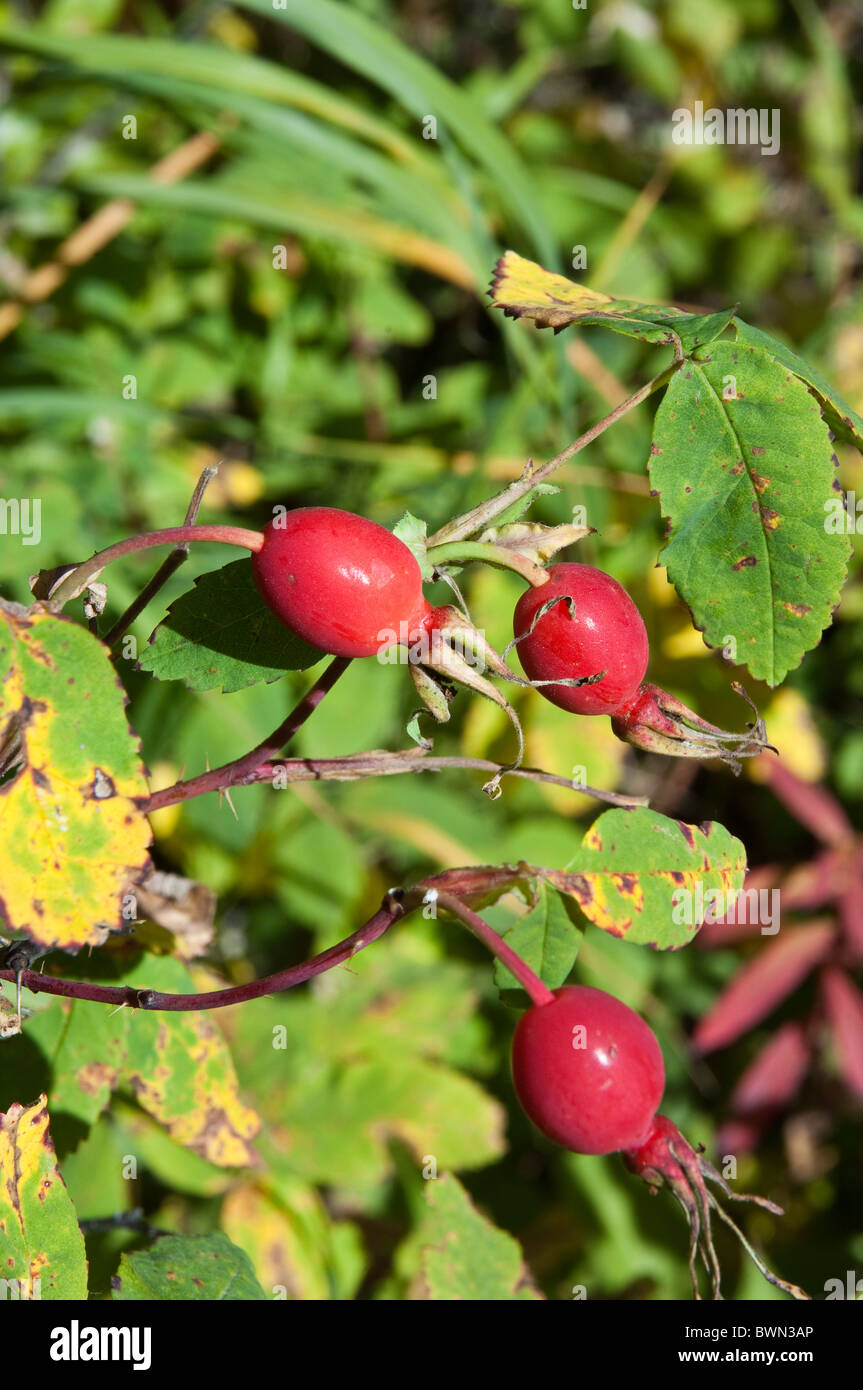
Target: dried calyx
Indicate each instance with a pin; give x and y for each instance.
(666, 1159)
(660, 723)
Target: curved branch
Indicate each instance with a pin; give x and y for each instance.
(392, 908)
(241, 770)
(377, 763)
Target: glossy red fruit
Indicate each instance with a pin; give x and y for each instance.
(340, 581)
(604, 633)
(588, 1071)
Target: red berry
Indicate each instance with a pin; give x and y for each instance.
(340, 581)
(588, 1071)
(604, 633)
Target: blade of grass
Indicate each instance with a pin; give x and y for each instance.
(370, 49)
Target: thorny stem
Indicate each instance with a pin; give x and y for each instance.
(529, 981)
(472, 882)
(242, 769)
(80, 577)
(167, 567)
(480, 516)
(379, 763)
(392, 908)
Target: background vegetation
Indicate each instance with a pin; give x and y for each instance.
(552, 131)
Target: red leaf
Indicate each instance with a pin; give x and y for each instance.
(774, 1076)
(809, 803)
(738, 1136)
(844, 1005)
(819, 881)
(763, 983)
(851, 917)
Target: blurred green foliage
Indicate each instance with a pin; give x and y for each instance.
(282, 309)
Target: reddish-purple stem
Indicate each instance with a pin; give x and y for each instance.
(230, 774)
(393, 907)
(77, 579)
(529, 981)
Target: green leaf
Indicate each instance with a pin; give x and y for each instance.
(547, 939)
(341, 1125)
(744, 466)
(644, 877)
(467, 1258)
(697, 330)
(85, 1046)
(414, 533)
(187, 1268)
(43, 1248)
(845, 423)
(221, 636)
(71, 833)
(522, 504)
(369, 1059)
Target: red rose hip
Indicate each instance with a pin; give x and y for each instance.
(604, 632)
(588, 1071)
(340, 581)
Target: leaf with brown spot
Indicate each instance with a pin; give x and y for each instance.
(71, 835)
(641, 875)
(525, 290)
(185, 1268)
(180, 1070)
(744, 545)
(41, 1244)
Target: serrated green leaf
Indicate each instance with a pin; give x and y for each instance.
(414, 532)
(744, 466)
(221, 636)
(645, 877)
(85, 1047)
(845, 423)
(188, 1268)
(42, 1245)
(467, 1258)
(547, 940)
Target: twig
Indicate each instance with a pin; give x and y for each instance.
(471, 521)
(392, 908)
(78, 578)
(527, 978)
(452, 888)
(354, 766)
(241, 769)
(386, 764)
(167, 567)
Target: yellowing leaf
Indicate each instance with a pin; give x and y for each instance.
(41, 1245)
(524, 289)
(180, 1070)
(71, 835)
